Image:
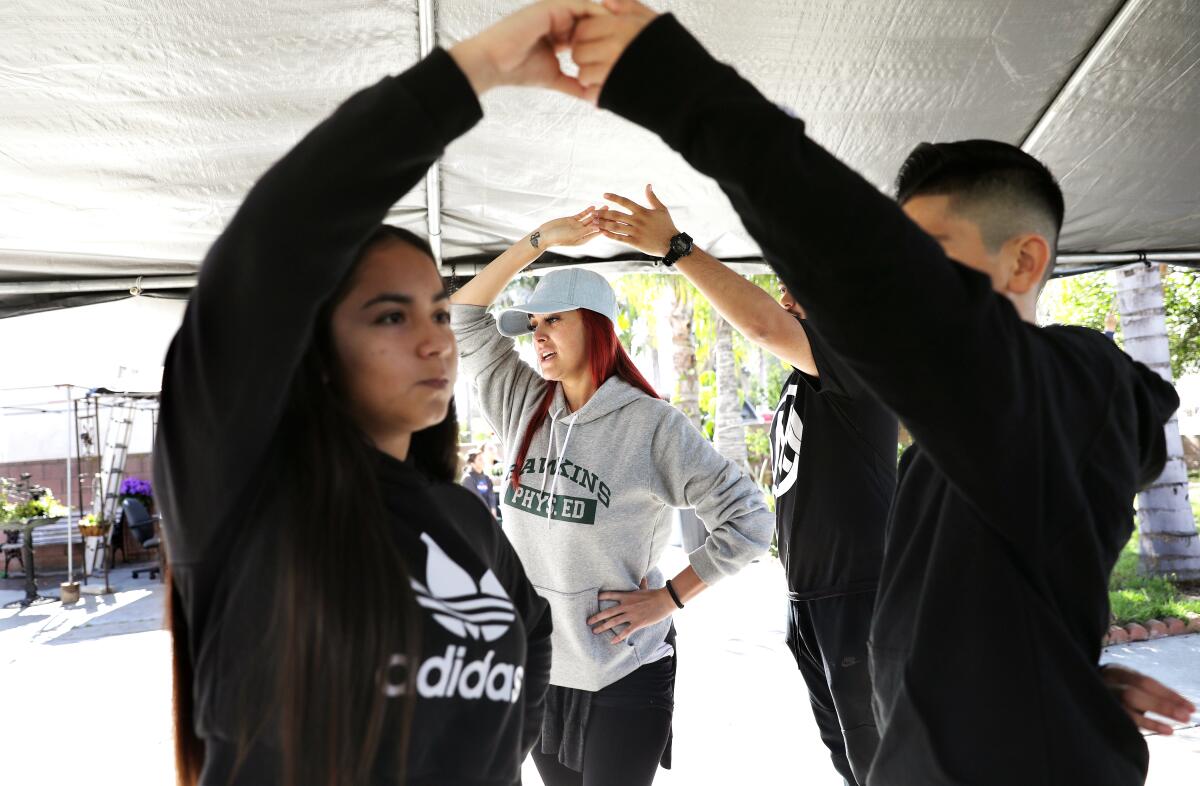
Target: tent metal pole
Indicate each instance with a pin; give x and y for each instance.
(426, 24)
(1187, 258)
(1058, 105)
(1132, 256)
(137, 283)
(70, 539)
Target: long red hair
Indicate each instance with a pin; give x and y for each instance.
(606, 358)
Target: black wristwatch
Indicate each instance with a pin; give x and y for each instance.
(681, 246)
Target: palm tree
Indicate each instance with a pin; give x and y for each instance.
(1168, 539)
(687, 385)
(729, 435)
(637, 321)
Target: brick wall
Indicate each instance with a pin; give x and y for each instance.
(52, 474)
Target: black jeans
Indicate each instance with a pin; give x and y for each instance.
(828, 637)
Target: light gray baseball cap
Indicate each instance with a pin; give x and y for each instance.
(561, 290)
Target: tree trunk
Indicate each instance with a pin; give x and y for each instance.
(655, 371)
(687, 395)
(687, 381)
(1168, 539)
(729, 435)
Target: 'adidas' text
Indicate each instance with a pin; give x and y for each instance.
(447, 676)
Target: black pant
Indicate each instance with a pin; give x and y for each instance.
(624, 745)
(828, 636)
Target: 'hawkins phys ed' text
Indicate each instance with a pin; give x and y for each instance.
(562, 507)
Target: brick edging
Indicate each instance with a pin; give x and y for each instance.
(1151, 629)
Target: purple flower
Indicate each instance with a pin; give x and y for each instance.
(136, 487)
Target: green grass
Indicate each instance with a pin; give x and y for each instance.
(1135, 598)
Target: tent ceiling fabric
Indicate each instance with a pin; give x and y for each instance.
(132, 128)
(1126, 147)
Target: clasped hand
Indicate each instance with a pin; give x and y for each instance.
(523, 48)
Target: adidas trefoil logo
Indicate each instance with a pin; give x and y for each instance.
(470, 611)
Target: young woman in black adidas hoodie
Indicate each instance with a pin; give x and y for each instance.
(343, 612)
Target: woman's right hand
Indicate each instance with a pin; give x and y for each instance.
(568, 230)
(485, 287)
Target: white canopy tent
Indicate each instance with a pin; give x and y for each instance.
(131, 129)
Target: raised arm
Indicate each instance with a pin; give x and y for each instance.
(293, 239)
(917, 328)
(504, 383)
(486, 286)
(746, 306)
(298, 232)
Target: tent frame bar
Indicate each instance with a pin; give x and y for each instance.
(1058, 105)
(427, 29)
(136, 286)
(1147, 257)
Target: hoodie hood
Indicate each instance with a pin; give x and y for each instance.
(611, 396)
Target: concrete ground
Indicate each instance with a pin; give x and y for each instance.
(1174, 661)
(85, 692)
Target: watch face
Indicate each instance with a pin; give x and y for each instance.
(679, 245)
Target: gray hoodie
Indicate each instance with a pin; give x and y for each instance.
(592, 511)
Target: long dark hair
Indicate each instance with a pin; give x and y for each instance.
(606, 358)
(346, 607)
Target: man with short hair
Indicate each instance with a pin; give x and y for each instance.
(1030, 442)
(833, 455)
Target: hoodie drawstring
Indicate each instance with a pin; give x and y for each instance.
(561, 454)
(553, 447)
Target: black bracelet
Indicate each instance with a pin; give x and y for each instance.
(674, 596)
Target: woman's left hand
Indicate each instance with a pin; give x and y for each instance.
(569, 230)
(638, 609)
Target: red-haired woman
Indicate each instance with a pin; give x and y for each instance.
(596, 462)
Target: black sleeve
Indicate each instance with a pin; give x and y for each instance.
(1155, 401)
(834, 377)
(951, 358)
(264, 279)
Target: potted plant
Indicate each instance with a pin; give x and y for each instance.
(92, 527)
(136, 488)
(41, 504)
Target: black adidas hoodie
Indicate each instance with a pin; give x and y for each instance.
(1031, 442)
(486, 634)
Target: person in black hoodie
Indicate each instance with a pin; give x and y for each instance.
(342, 611)
(1030, 442)
(476, 480)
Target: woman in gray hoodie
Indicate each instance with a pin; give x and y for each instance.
(596, 462)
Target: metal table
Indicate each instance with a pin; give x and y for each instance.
(26, 527)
